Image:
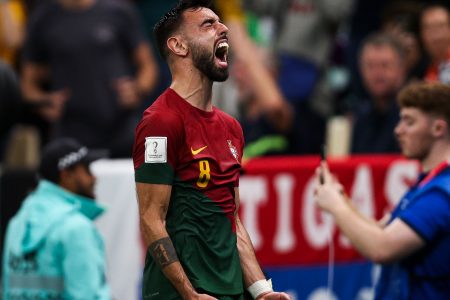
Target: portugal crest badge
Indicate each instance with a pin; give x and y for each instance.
(233, 150)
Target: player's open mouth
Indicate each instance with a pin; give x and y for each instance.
(222, 54)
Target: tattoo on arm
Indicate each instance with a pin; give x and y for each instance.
(163, 252)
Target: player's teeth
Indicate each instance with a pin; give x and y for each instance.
(222, 44)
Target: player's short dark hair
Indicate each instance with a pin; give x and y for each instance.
(432, 98)
(383, 39)
(171, 22)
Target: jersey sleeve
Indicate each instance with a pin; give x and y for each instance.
(157, 138)
(430, 216)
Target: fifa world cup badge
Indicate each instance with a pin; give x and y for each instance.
(233, 150)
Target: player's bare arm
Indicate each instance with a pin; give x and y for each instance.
(153, 204)
(381, 245)
(344, 196)
(253, 275)
(163, 252)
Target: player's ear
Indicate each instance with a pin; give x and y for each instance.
(439, 128)
(177, 45)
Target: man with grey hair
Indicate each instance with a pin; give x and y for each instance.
(383, 73)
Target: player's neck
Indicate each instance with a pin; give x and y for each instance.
(439, 153)
(195, 89)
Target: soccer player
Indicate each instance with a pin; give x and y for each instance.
(414, 246)
(187, 158)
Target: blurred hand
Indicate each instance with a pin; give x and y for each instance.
(53, 109)
(242, 80)
(329, 195)
(274, 296)
(127, 92)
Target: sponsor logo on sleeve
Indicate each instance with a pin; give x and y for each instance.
(155, 149)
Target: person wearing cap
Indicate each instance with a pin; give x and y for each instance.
(52, 249)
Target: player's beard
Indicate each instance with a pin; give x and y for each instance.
(204, 60)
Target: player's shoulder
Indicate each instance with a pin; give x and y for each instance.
(164, 105)
(162, 113)
(227, 118)
(222, 114)
(440, 182)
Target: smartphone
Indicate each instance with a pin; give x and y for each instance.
(323, 157)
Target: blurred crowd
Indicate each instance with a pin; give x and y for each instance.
(303, 72)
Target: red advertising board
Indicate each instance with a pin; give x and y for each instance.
(288, 229)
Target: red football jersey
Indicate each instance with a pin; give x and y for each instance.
(199, 154)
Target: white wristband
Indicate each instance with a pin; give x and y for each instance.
(259, 287)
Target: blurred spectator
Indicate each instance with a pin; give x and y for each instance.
(265, 112)
(26, 124)
(305, 32)
(31, 5)
(371, 16)
(435, 33)
(365, 20)
(262, 132)
(259, 79)
(400, 20)
(52, 249)
(12, 24)
(382, 67)
(9, 104)
(98, 66)
(151, 12)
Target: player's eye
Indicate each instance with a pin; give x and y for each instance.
(208, 23)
